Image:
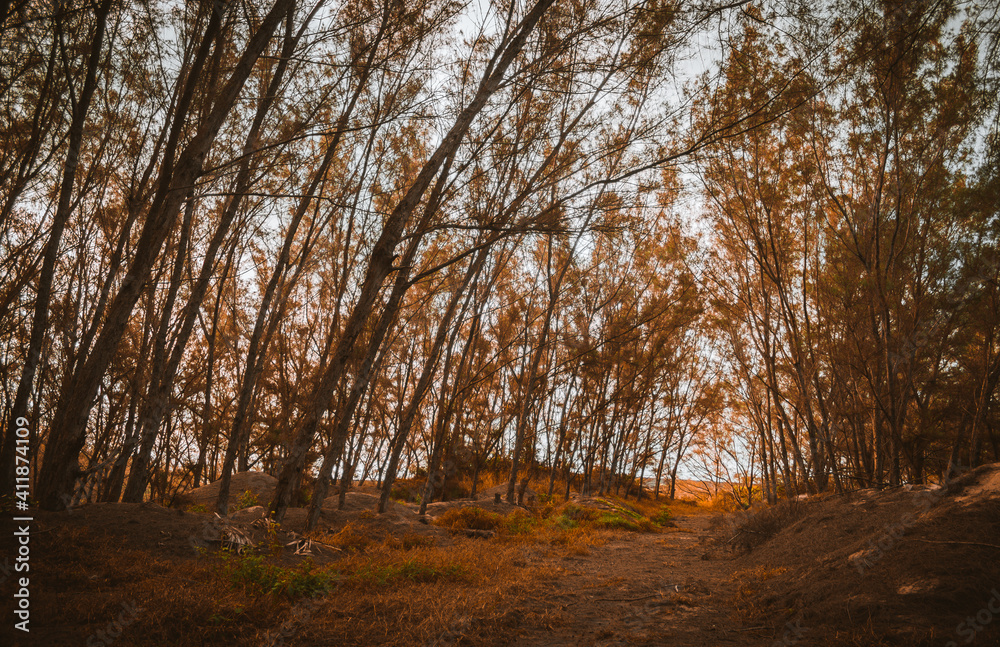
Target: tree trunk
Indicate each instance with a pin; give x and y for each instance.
(40, 316)
(383, 255)
(68, 432)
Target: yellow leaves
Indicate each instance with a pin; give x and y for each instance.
(650, 37)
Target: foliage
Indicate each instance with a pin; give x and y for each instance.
(308, 273)
(663, 517)
(247, 500)
(412, 570)
(256, 573)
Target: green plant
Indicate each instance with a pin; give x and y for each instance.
(663, 517)
(249, 571)
(578, 513)
(519, 524)
(247, 500)
(253, 572)
(621, 510)
(201, 507)
(565, 522)
(218, 618)
(632, 523)
(615, 521)
(303, 581)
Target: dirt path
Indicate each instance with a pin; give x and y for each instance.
(643, 590)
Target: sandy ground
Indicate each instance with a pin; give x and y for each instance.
(640, 589)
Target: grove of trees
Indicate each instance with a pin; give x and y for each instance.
(342, 240)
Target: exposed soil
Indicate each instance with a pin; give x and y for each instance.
(638, 589)
(907, 566)
(910, 566)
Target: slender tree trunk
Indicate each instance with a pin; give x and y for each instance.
(68, 432)
(422, 385)
(40, 316)
(383, 255)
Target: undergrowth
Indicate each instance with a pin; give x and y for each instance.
(549, 521)
(746, 596)
(254, 573)
(751, 529)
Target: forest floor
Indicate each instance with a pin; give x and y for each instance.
(638, 589)
(905, 566)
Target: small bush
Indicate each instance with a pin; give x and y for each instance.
(201, 507)
(617, 518)
(578, 513)
(565, 522)
(613, 521)
(247, 500)
(662, 518)
(519, 523)
(250, 571)
(303, 581)
(254, 573)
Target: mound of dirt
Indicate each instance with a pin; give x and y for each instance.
(357, 501)
(598, 503)
(909, 565)
(982, 483)
(530, 496)
(435, 509)
(260, 484)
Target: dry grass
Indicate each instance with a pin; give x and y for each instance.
(550, 522)
(374, 589)
(393, 590)
(746, 596)
(751, 529)
(523, 528)
(349, 538)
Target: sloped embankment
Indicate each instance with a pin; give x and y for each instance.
(905, 566)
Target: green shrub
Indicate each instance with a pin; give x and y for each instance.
(250, 571)
(253, 572)
(565, 522)
(615, 521)
(519, 524)
(247, 500)
(632, 523)
(303, 581)
(663, 517)
(622, 511)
